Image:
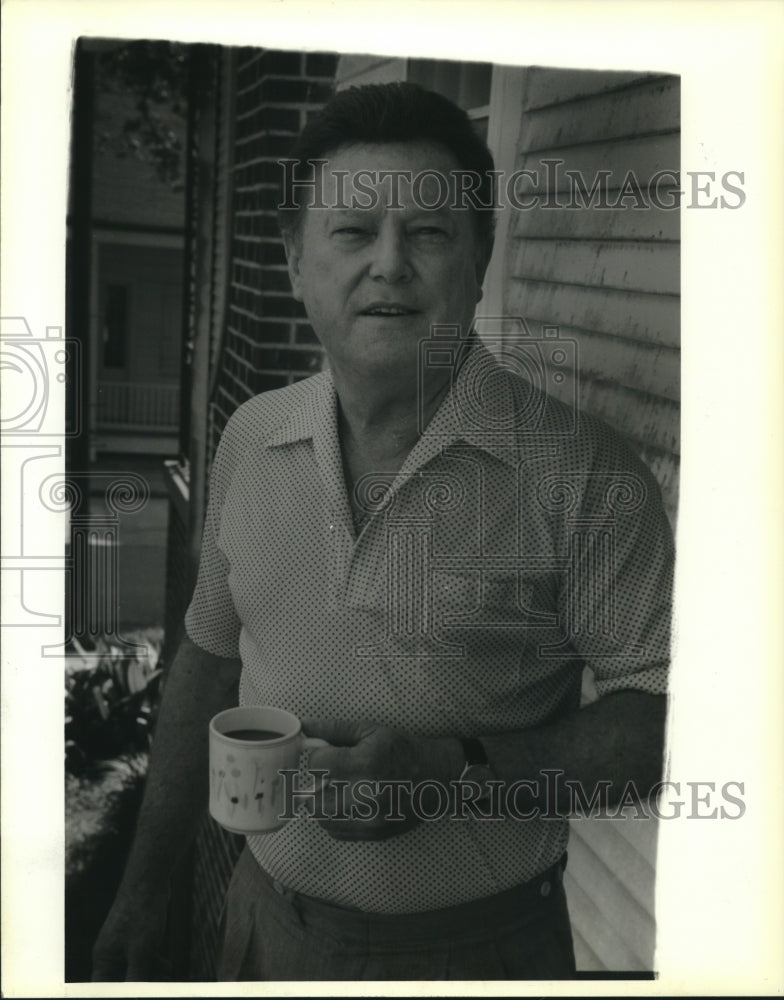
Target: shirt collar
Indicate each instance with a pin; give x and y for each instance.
(480, 409)
(316, 407)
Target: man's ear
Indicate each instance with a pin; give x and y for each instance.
(292, 244)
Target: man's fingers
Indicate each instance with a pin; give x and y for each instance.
(337, 761)
(338, 732)
(349, 815)
(359, 760)
(340, 757)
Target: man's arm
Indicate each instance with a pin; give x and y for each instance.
(197, 687)
(617, 739)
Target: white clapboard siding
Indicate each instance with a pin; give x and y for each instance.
(646, 419)
(666, 468)
(653, 106)
(355, 71)
(644, 156)
(650, 318)
(624, 266)
(590, 222)
(546, 87)
(610, 885)
(609, 280)
(634, 364)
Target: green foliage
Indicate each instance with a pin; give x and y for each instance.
(154, 75)
(110, 708)
(111, 701)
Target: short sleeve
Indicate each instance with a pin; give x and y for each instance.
(211, 620)
(618, 600)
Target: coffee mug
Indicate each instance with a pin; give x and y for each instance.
(249, 747)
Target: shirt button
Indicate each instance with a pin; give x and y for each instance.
(545, 889)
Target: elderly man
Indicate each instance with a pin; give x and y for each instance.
(417, 552)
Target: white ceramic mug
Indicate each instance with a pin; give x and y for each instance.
(249, 747)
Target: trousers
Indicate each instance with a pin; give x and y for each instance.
(270, 934)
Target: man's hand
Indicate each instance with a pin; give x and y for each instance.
(130, 945)
(616, 740)
(372, 771)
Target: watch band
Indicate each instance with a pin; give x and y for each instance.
(473, 751)
(477, 768)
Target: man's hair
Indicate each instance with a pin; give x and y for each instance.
(386, 113)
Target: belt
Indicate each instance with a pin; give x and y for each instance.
(507, 908)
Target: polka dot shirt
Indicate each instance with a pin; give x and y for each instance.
(519, 542)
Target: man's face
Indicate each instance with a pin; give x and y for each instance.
(374, 280)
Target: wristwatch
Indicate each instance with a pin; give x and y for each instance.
(477, 767)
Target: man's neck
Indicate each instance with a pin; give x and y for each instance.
(385, 421)
(380, 420)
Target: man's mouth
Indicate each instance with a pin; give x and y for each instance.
(388, 310)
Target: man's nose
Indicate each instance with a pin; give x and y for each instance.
(390, 261)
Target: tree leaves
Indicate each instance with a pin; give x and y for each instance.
(153, 75)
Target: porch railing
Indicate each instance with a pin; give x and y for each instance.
(137, 406)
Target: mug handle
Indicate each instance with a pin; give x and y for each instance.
(314, 742)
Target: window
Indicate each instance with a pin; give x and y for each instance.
(467, 84)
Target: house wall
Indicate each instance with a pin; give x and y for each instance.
(356, 71)
(607, 278)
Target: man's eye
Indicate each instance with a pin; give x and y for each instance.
(351, 231)
(430, 231)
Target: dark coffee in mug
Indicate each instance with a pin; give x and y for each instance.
(254, 735)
